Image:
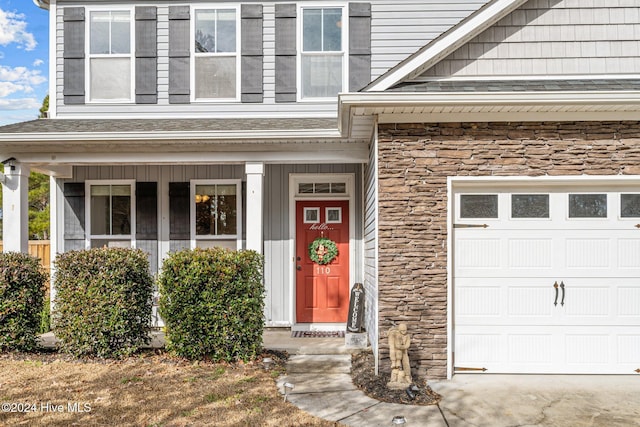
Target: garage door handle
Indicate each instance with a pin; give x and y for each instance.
(555, 285)
(562, 286)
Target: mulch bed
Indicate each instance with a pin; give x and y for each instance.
(363, 375)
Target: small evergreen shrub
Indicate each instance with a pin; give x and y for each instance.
(22, 289)
(212, 301)
(103, 301)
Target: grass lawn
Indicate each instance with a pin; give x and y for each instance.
(149, 389)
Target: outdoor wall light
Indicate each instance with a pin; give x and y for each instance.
(398, 420)
(287, 388)
(267, 362)
(10, 162)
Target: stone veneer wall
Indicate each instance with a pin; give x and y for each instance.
(414, 163)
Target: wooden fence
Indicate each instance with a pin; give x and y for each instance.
(40, 249)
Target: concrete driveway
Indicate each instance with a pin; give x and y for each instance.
(540, 400)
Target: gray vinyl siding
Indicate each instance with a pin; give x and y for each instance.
(278, 264)
(573, 37)
(398, 29)
(370, 242)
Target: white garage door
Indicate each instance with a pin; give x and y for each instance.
(551, 285)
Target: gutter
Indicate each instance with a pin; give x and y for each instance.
(42, 4)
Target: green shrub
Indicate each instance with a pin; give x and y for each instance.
(45, 317)
(103, 301)
(212, 303)
(22, 282)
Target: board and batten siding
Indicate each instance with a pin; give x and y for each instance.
(553, 37)
(398, 29)
(276, 215)
(370, 243)
(278, 259)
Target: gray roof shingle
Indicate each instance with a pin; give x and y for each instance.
(587, 85)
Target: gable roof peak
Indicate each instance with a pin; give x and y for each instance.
(445, 44)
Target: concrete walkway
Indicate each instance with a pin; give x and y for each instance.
(323, 387)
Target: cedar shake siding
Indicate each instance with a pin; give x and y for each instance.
(414, 163)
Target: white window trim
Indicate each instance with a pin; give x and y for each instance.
(344, 52)
(87, 212)
(192, 56)
(304, 214)
(192, 212)
(89, 56)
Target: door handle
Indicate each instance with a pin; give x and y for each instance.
(298, 267)
(555, 285)
(562, 286)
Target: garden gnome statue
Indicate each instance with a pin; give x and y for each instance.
(399, 342)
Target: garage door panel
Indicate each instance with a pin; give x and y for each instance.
(509, 317)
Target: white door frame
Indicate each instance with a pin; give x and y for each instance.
(294, 180)
(454, 185)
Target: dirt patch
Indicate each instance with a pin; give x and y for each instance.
(363, 375)
(148, 389)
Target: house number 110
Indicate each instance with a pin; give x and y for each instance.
(323, 270)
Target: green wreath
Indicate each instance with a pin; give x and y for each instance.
(322, 251)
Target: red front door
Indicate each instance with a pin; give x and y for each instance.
(322, 290)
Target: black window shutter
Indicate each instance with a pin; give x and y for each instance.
(179, 53)
(146, 55)
(74, 230)
(359, 45)
(179, 211)
(146, 211)
(286, 84)
(73, 55)
(251, 53)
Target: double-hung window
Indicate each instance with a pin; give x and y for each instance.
(216, 213)
(110, 213)
(215, 56)
(322, 54)
(110, 64)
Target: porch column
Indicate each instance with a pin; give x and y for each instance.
(15, 207)
(255, 178)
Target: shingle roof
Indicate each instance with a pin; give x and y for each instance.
(166, 125)
(586, 85)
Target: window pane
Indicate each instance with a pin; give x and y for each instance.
(120, 32)
(305, 188)
(99, 32)
(587, 205)
(332, 37)
(226, 31)
(530, 206)
(121, 214)
(479, 206)
(630, 205)
(100, 210)
(205, 28)
(227, 213)
(323, 188)
(110, 78)
(215, 77)
(339, 188)
(312, 30)
(321, 76)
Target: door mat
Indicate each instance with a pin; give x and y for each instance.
(317, 334)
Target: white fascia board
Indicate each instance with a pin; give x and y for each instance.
(446, 44)
(389, 99)
(236, 136)
(350, 153)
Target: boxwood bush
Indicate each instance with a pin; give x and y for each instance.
(103, 301)
(22, 280)
(212, 301)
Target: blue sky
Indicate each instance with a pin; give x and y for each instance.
(24, 60)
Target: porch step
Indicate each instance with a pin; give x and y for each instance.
(319, 364)
(281, 340)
